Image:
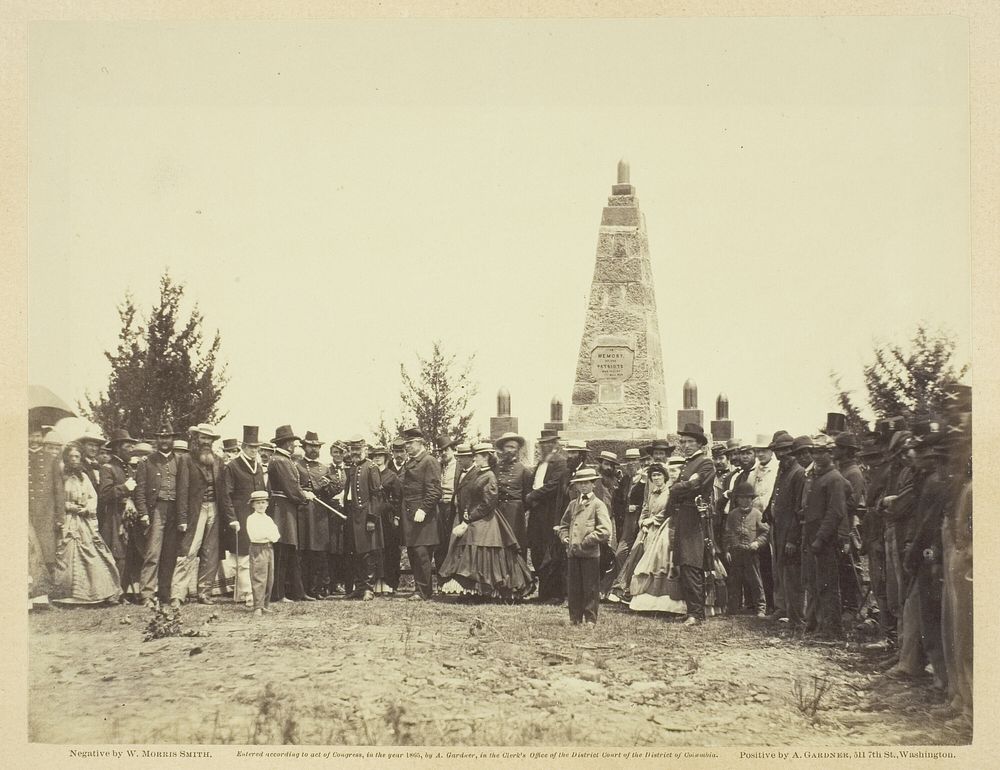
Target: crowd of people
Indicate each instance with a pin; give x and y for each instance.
(867, 532)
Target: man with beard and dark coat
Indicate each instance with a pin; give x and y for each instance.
(388, 510)
(421, 491)
(845, 450)
(363, 528)
(116, 510)
(546, 503)
(514, 483)
(314, 520)
(696, 480)
(241, 476)
(824, 531)
(201, 505)
(158, 478)
(786, 503)
(286, 493)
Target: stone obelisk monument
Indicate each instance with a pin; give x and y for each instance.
(618, 393)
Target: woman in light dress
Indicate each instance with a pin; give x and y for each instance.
(85, 571)
(655, 584)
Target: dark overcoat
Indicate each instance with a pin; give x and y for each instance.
(421, 483)
(286, 493)
(239, 479)
(689, 535)
(191, 494)
(112, 495)
(363, 497)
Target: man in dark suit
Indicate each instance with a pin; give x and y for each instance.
(421, 487)
(546, 505)
(696, 480)
(241, 477)
(285, 488)
(158, 479)
(389, 513)
(114, 500)
(201, 503)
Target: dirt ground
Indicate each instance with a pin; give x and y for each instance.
(394, 671)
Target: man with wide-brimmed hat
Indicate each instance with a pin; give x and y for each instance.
(445, 446)
(314, 520)
(158, 477)
(584, 525)
(388, 509)
(202, 504)
(241, 477)
(688, 496)
(90, 445)
(421, 491)
(116, 510)
(786, 502)
(824, 533)
(363, 528)
(514, 483)
(546, 503)
(287, 495)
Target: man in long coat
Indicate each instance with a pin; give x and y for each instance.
(786, 506)
(546, 504)
(514, 482)
(241, 476)
(421, 492)
(338, 560)
(114, 501)
(43, 478)
(696, 480)
(286, 495)
(363, 527)
(201, 506)
(389, 513)
(314, 521)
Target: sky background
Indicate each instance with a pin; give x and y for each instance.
(374, 185)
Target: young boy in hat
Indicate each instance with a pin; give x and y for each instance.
(584, 526)
(261, 531)
(745, 534)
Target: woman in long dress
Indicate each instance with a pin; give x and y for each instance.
(484, 558)
(85, 570)
(655, 586)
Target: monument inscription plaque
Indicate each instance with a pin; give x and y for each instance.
(612, 359)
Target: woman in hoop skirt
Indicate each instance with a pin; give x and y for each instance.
(484, 558)
(655, 586)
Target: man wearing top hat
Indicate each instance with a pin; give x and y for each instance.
(230, 449)
(421, 491)
(202, 503)
(445, 506)
(546, 504)
(514, 483)
(158, 478)
(691, 492)
(241, 477)
(314, 520)
(286, 493)
(363, 528)
(114, 501)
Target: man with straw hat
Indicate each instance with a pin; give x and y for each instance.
(514, 483)
(584, 525)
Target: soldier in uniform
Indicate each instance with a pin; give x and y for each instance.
(286, 494)
(389, 514)
(363, 528)
(116, 510)
(421, 490)
(339, 567)
(43, 478)
(845, 450)
(314, 532)
(241, 477)
(514, 482)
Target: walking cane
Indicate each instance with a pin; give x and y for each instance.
(236, 572)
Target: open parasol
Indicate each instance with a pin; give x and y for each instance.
(45, 407)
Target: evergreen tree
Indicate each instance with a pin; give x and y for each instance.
(161, 369)
(437, 397)
(906, 382)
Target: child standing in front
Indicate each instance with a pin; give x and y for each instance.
(261, 531)
(584, 526)
(744, 535)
